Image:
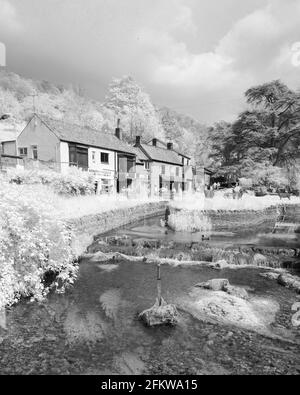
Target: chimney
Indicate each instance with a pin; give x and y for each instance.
(154, 142)
(137, 140)
(170, 146)
(118, 131)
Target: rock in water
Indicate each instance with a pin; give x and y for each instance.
(163, 314)
(296, 307)
(222, 284)
(296, 316)
(290, 281)
(237, 291)
(217, 284)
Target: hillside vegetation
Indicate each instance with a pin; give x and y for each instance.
(125, 99)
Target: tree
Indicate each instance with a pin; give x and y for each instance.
(266, 136)
(133, 106)
(279, 118)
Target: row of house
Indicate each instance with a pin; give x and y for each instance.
(152, 167)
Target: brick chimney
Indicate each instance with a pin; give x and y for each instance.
(137, 140)
(154, 142)
(170, 146)
(118, 131)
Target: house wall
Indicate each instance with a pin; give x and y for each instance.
(64, 156)
(48, 145)
(170, 173)
(105, 172)
(96, 165)
(9, 148)
(141, 184)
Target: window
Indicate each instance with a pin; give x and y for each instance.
(78, 156)
(163, 169)
(23, 151)
(177, 171)
(104, 157)
(147, 165)
(35, 152)
(93, 156)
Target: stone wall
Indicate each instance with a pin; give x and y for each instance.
(86, 228)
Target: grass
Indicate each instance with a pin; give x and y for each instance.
(76, 207)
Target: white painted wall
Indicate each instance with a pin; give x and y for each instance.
(170, 170)
(96, 164)
(64, 156)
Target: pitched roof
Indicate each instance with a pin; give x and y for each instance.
(7, 135)
(140, 155)
(83, 135)
(161, 154)
(165, 145)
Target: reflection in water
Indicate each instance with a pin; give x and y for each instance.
(110, 302)
(84, 326)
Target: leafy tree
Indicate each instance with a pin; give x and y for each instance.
(133, 106)
(266, 136)
(278, 118)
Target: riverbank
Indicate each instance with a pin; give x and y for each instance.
(86, 228)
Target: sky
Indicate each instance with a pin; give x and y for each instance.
(195, 56)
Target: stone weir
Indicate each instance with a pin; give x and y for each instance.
(85, 229)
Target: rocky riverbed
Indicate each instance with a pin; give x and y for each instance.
(234, 314)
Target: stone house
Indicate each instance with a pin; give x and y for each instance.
(164, 167)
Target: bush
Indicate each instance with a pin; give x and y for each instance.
(190, 221)
(75, 182)
(33, 242)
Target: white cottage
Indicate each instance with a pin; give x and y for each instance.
(48, 143)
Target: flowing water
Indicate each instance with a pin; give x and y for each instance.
(94, 329)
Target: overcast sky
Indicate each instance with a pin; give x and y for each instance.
(196, 56)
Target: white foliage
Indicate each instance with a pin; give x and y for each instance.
(33, 241)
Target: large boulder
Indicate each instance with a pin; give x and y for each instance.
(270, 275)
(221, 284)
(296, 307)
(219, 265)
(254, 314)
(160, 314)
(296, 316)
(237, 292)
(290, 281)
(217, 284)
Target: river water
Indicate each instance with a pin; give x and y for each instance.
(94, 329)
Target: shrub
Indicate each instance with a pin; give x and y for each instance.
(190, 221)
(75, 182)
(33, 242)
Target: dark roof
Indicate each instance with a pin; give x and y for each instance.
(83, 135)
(140, 155)
(161, 154)
(179, 153)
